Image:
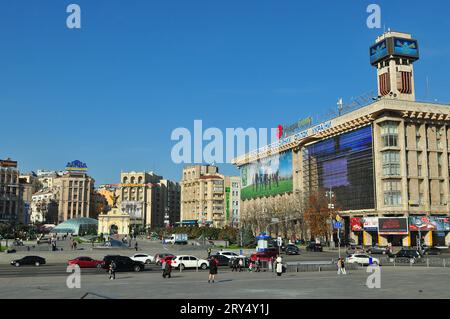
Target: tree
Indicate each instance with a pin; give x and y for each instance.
(318, 215)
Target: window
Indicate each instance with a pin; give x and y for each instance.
(392, 193)
(391, 163)
(389, 134)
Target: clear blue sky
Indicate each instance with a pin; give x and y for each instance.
(111, 93)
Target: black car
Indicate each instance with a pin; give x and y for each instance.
(292, 250)
(431, 251)
(223, 260)
(381, 250)
(407, 255)
(29, 260)
(123, 263)
(315, 247)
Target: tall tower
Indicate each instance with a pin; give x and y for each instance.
(393, 55)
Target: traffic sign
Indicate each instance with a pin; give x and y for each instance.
(279, 242)
(337, 225)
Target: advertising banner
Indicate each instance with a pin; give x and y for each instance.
(356, 224)
(132, 208)
(267, 177)
(393, 225)
(424, 223)
(370, 223)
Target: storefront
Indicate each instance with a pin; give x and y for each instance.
(432, 231)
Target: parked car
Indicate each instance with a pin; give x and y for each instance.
(381, 250)
(86, 262)
(123, 263)
(292, 250)
(228, 254)
(186, 261)
(315, 247)
(361, 259)
(355, 250)
(408, 255)
(223, 259)
(431, 251)
(268, 255)
(160, 258)
(29, 260)
(146, 259)
(246, 261)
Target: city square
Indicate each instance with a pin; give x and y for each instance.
(213, 152)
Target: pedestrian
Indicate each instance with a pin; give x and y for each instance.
(167, 268)
(74, 245)
(112, 270)
(250, 266)
(240, 264)
(341, 266)
(212, 269)
(258, 265)
(279, 262)
(136, 246)
(209, 252)
(235, 264)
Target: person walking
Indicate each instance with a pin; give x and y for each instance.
(341, 266)
(258, 265)
(212, 269)
(240, 264)
(112, 270)
(167, 268)
(234, 265)
(279, 263)
(209, 252)
(136, 246)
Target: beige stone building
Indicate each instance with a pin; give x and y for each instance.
(204, 197)
(153, 199)
(29, 185)
(9, 191)
(232, 200)
(386, 163)
(73, 191)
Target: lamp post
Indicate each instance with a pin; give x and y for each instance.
(330, 196)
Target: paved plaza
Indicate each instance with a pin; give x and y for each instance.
(395, 283)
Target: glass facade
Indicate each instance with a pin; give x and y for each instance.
(343, 163)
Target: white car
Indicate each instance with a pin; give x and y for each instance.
(229, 254)
(362, 259)
(146, 259)
(186, 261)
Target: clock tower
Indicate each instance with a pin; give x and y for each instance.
(393, 55)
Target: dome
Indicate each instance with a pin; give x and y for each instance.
(77, 226)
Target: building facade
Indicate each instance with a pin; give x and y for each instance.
(386, 163)
(44, 207)
(152, 198)
(9, 191)
(233, 199)
(73, 191)
(204, 199)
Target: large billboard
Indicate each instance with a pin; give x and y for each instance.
(424, 223)
(132, 208)
(267, 177)
(344, 164)
(393, 225)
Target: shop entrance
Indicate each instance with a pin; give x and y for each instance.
(438, 238)
(395, 240)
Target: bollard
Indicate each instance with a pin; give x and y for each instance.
(428, 263)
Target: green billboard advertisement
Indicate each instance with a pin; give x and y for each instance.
(267, 177)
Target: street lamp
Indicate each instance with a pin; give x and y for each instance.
(330, 195)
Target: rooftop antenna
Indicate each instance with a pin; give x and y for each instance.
(340, 105)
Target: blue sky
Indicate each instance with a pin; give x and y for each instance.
(111, 93)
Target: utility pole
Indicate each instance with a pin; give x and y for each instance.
(330, 196)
